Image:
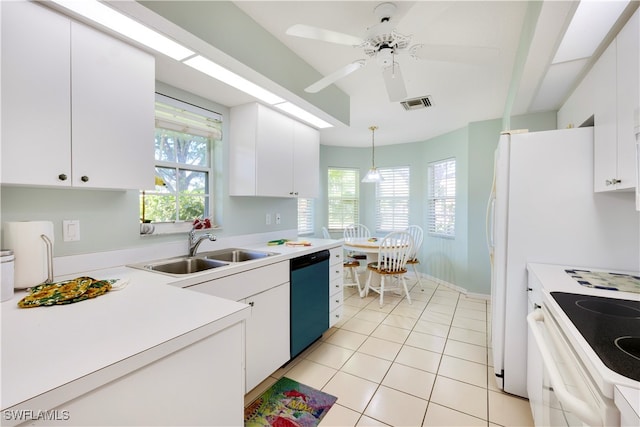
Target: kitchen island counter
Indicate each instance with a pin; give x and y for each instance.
(51, 355)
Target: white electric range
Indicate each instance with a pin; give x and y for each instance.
(584, 344)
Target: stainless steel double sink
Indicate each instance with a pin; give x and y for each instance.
(203, 261)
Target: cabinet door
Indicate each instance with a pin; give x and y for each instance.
(267, 334)
(36, 121)
(605, 134)
(113, 112)
(274, 154)
(628, 79)
(306, 161)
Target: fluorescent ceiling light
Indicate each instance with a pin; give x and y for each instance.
(126, 26)
(298, 112)
(589, 26)
(214, 70)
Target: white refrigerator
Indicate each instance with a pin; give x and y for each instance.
(543, 209)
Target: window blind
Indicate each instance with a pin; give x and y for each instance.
(305, 216)
(343, 197)
(179, 116)
(442, 198)
(392, 199)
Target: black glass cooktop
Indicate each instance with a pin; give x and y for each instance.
(611, 327)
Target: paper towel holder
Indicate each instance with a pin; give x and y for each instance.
(49, 244)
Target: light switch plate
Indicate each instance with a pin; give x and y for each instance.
(71, 230)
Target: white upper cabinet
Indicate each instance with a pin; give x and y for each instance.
(271, 154)
(77, 105)
(36, 106)
(617, 79)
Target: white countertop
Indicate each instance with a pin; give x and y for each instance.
(45, 348)
(554, 279)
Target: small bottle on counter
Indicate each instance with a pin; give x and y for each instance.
(6, 274)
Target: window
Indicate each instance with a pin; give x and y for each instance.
(305, 216)
(392, 199)
(184, 140)
(343, 197)
(442, 198)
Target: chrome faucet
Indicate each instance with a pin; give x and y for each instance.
(194, 241)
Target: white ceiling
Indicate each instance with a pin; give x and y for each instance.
(512, 80)
(460, 93)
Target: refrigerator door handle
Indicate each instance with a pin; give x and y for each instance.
(490, 222)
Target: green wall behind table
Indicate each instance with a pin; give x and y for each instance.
(109, 219)
(463, 260)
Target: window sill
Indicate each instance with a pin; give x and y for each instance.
(165, 228)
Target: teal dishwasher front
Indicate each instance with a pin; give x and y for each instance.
(309, 301)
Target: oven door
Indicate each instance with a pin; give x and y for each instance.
(564, 393)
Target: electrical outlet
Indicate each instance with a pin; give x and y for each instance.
(71, 230)
(268, 219)
(277, 218)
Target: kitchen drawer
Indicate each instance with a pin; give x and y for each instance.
(335, 272)
(335, 301)
(242, 285)
(335, 286)
(335, 316)
(336, 256)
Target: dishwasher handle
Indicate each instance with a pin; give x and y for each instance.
(310, 259)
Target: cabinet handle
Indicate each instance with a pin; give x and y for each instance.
(251, 303)
(84, 178)
(62, 177)
(613, 181)
(337, 286)
(291, 193)
(296, 193)
(338, 301)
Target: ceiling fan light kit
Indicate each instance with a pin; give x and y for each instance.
(373, 175)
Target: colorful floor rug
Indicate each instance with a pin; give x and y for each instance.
(287, 403)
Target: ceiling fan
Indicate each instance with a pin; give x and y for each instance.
(382, 43)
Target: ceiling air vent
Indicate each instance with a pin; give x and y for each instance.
(417, 103)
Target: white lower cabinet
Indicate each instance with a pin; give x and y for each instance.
(266, 289)
(168, 392)
(266, 334)
(336, 294)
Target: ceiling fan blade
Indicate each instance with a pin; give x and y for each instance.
(463, 54)
(395, 83)
(309, 32)
(336, 75)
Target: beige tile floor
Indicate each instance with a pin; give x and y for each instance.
(422, 364)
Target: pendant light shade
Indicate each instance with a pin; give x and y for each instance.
(373, 175)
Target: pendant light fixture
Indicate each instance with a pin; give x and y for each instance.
(373, 175)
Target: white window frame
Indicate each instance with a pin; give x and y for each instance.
(343, 222)
(392, 199)
(176, 115)
(305, 216)
(441, 198)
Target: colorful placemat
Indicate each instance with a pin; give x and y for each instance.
(604, 280)
(287, 403)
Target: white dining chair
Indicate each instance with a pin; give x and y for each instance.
(350, 267)
(325, 233)
(417, 234)
(355, 231)
(391, 266)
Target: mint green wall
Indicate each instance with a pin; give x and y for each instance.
(464, 260)
(109, 219)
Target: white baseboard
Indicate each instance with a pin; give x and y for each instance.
(454, 287)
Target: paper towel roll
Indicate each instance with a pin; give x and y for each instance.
(30, 250)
